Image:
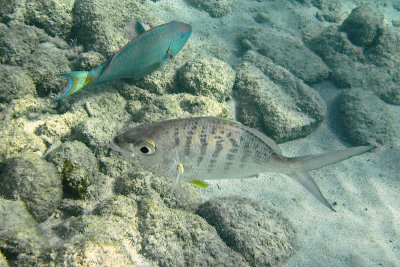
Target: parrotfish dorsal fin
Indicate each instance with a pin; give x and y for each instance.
(199, 183)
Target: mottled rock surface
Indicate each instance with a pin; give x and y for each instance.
(99, 23)
(287, 51)
(254, 230)
(21, 242)
(146, 107)
(34, 181)
(330, 9)
(364, 25)
(209, 77)
(373, 68)
(364, 118)
(274, 101)
(216, 8)
(55, 17)
(172, 237)
(14, 83)
(78, 166)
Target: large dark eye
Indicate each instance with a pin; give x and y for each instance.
(147, 147)
(144, 149)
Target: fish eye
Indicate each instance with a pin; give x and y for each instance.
(147, 147)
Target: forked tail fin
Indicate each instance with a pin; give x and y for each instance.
(76, 81)
(319, 161)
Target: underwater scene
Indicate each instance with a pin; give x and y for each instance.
(200, 133)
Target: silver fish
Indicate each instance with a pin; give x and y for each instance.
(208, 148)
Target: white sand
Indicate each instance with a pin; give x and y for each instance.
(365, 230)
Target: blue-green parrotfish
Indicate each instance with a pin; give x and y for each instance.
(207, 148)
(141, 56)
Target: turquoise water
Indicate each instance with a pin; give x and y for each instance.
(315, 76)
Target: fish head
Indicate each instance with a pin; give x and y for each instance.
(182, 33)
(144, 145)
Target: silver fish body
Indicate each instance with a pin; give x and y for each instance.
(208, 148)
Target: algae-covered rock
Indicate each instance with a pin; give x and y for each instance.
(8, 7)
(146, 107)
(373, 68)
(364, 118)
(77, 164)
(272, 100)
(21, 242)
(216, 8)
(109, 237)
(289, 52)
(44, 65)
(16, 141)
(88, 61)
(99, 24)
(33, 180)
(330, 9)
(364, 25)
(54, 16)
(260, 234)
(386, 50)
(14, 83)
(209, 77)
(3, 260)
(173, 237)
(107, 114)
(18, 41)
(58, 127)
(144, 184)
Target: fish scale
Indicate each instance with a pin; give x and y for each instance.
(207, 148)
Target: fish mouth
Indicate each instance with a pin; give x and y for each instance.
(116, 147)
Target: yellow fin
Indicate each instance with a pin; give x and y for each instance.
(199, 183)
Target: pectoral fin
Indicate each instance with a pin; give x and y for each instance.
(307, 181)
(199, 183)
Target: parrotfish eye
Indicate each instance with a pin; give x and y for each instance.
(147, 147)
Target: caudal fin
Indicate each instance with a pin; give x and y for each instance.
(319, 161)
(325, 159)
(76, 81)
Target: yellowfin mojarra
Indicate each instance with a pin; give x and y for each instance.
(208, 148)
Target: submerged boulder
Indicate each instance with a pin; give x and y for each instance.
(216, 8)
(209, 77)
(287, 51)
(33, 180)
(274, 101)
(364, 25)
(364, 118)
(251, 228)
(21, 241)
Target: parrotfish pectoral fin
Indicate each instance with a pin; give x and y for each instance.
(76, 81)
(199, 183)
(307, 181)
(177, 186)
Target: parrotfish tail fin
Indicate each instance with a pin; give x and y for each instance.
(322, 160)
(76, 81)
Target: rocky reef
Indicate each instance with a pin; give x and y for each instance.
(67, 199)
